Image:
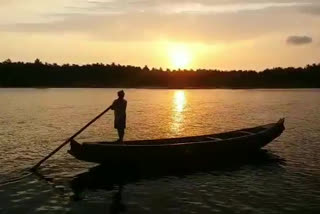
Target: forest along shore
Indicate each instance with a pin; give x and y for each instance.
(46, 75)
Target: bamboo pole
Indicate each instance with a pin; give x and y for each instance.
(69, 139)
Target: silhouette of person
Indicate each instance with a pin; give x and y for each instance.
(119, 107)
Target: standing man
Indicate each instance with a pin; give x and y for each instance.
(119, 106)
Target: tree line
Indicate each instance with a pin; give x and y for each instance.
(39, 74)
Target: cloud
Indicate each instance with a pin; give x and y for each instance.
(14, 11)
(299, 40)
(313, 9)
(182, 27)
(204, 21)
(179, 7)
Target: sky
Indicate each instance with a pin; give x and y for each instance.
(212, 34)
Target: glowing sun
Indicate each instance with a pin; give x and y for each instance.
(180, 56)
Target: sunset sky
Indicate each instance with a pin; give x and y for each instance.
(222, 34)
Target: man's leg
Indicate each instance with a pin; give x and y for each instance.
(121, 134)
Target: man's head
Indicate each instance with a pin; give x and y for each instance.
(121, 94)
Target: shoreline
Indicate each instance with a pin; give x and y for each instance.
(165, 88)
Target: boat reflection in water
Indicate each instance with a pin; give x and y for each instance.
(109, 178)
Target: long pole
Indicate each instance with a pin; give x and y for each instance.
(68, 140)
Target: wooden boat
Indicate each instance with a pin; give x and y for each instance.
(180, 152)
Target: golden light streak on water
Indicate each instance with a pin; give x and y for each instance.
(178, 106)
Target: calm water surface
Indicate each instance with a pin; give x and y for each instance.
(35, 121)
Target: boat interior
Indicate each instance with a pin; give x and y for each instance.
(210, 137)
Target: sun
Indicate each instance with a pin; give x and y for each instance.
(180, 56)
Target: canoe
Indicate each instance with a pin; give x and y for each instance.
(180, 152)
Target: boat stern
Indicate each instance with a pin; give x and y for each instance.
(75, 148)
(280, 124)
(281, 121)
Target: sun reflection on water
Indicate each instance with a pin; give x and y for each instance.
(178, 108)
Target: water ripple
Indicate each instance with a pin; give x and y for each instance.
(35, 122)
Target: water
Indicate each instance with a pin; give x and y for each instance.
(35, 121)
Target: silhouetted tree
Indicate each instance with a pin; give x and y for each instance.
(145, 68)
(7, 61)
(37, 62)
(38, 74)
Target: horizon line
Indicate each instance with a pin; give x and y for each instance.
(8, 60)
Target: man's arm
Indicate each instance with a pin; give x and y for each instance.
(113, 105)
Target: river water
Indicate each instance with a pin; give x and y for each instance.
(35, 121)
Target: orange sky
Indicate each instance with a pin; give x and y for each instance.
(223, 34)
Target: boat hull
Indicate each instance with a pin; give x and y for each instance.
(203, 151)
